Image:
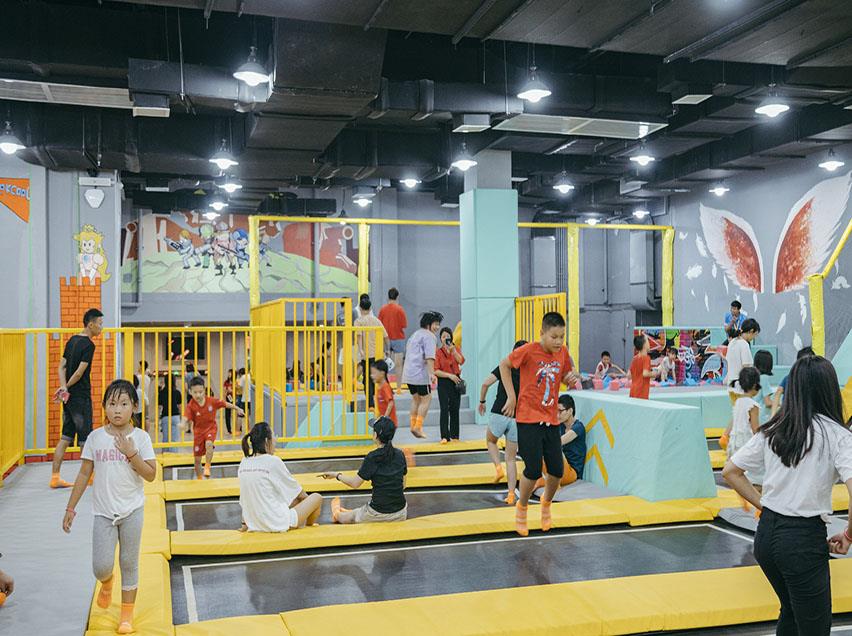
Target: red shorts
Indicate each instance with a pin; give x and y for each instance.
(199, 439)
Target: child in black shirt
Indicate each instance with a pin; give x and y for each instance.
(386, 468)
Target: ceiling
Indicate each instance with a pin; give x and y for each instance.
(365, 92)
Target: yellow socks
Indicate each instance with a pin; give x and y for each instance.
(57, 482)
(125, 622)
(499, 474)
(546, 520)
(521, 520)
(105, 595)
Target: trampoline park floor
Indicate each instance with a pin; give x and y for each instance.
(295, 581)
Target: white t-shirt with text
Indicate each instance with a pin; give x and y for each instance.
(118, 490)
(266, 491)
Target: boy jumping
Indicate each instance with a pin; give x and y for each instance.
(544, 366)
(200, 417)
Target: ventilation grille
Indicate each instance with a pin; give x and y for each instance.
(584, 126)
(72, 94)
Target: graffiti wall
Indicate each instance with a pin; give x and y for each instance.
(183, 252)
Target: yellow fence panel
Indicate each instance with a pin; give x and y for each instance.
(817, 298)
(12, 405)
(529, 311)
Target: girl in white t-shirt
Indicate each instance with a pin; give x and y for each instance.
(746, 415)
(737, 357)
(121, 457)
(270, 498)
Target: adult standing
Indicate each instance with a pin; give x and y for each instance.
(144, 375)
(76, 390)
(734, 318)
(801, 451)
(169, 401)
(394, 319)
(245, 390)
(739, 352)
(448, 361)
(419, 370)
(368, 346)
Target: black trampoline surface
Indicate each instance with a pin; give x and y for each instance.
(341, 463)
(269, 586)
(224, 514)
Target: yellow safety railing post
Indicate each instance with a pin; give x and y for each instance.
(254, 260)
(363, 258)
(817, 314)
(668, 277)
(572, 235)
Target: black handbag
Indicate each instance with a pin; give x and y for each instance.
(461, 387)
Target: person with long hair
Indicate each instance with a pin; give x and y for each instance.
(270, 497)
(386, 468)
(448, 363)
(800, 451)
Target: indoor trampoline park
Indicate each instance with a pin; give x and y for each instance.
(383, 317)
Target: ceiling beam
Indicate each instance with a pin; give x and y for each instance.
(519, 8)
(819, 51)
(473, 20)
(734, 31)
(375, 16)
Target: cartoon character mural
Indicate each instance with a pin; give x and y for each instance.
(206, 232)
(223, 249)
(185, 248)
(91, 257)
(240, 241)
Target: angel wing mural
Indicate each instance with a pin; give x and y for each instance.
(732, 243)
(808, 234)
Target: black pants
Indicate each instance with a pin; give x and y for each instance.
(368, 380)
(450, 400)
(793, 554)
(537, 443)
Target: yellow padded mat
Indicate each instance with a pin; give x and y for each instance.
(234, 456)
(418, 477)
(153, 616)
(718, 458)
(712, 433)
(155, 535)
(263, 625)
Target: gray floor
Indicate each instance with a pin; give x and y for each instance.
(266, 586)
(52, 570)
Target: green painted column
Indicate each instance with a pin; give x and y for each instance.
(489, 281)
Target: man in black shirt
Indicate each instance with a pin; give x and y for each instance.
(499, 426)
(76, 390)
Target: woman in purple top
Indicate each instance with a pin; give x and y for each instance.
(419, 371)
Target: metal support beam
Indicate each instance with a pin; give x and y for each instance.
(375, 16)
(522, 5)
(819, 51)
(472, 21)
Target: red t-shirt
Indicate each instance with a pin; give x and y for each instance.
(640, 386)
(446, 361)
(395, 321)
(541, 377)
(203, 416)
(384, 397)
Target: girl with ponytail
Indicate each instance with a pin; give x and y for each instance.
(386, 468)
(270, 497)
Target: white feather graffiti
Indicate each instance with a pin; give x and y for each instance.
(714, 271)
(700, 246)
(782, 320)
(682, 235)
(840, 282)
(754, 299)
(797, 340)
(706, 301)
(803, 308)
(694, 272)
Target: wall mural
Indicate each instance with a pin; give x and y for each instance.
(731, 248)
(699, 361)
(91, 256)
(183, 252)
(15, 196)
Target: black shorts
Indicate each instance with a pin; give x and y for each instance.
(537, 442)
(420, 389)
(77, 419)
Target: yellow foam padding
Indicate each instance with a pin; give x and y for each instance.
(155, 487)
(727, 498)
(846, 394)
(234, 457)
(712, 433)
(155, 534)
(263, 625)
(718, 458)
(640, 512)
(418, 477)
(153, 612)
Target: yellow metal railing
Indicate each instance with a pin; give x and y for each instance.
(817, 299)
(529, 310)
(306, 380)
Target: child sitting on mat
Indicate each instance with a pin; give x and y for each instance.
(385, 406)
(121, 457)
(199, 416)
(270, 498)
(386, 468)
(573, 441)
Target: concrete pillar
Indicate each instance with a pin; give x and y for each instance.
(489, 265)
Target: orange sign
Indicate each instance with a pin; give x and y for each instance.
(15, 195)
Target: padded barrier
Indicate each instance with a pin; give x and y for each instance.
(714, 404)
(153, 615)
(713, 433)
(263, 625)
(234, 457)
(418, 477)
(655, 602)
(718, 458)
(155, 535)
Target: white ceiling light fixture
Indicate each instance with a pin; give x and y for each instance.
(229, 185)
(218, 203)
(641, 213)
(563, 185)
(772, 106)
(832, 163)
(464, 161)
(9, 143)
(642, 157)
(410, 182)
(362, 196)
(592, 220)
(534, 90)
(211, 216)
(362, 201)
(719, 189)
(252, 72)
(223, 159)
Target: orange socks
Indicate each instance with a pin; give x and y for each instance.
(510, 498)
(125, 622)
(417, 426)
(499, 473)
(409, 457)
(546, 520)
(57, 482)
(335, 509)
(521, 520)
(207, 471)
(105, 595)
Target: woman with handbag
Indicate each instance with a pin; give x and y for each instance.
(451, 387)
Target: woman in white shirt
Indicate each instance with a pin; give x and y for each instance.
(801, 452)
(270, 498)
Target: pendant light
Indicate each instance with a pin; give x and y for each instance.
(218, 203)
(642, 157)
(410, 182)
(252, 73)
(9, 143)
(641, 213)
(831, 164)
(229, 185)
(534, 90)
(464, 161)
(563, 185)
(772, 106)
(211, 216)
(223, 159)
(719, 189)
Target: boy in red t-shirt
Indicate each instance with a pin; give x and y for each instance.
(640, 369)
(544, 366)
(385, 406)
(199, 416)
